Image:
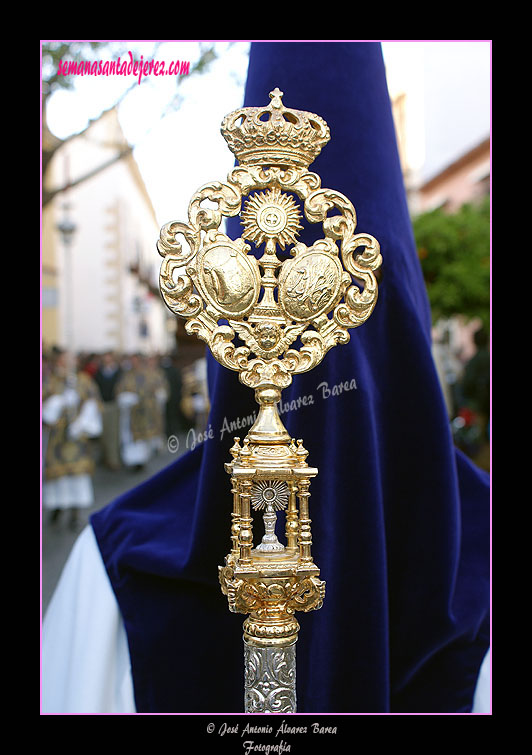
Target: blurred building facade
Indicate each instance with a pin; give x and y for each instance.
(441, 104)
(430, 109)
(100, 284)
(466, 179)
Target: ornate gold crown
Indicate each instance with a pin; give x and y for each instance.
(274, 134)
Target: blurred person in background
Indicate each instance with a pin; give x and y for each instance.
(46, 365)
(89, 363)
(133, 398)
(476, 380)
(175, 422)
(107, 377)
(156, 401)
(46, 371)
(471, 424)
(195, 400)
(71, 417)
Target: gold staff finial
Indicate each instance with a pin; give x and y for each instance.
(287, 314)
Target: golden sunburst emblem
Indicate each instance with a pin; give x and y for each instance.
(271, 215)
(269, 493)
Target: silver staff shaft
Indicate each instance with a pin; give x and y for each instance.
(270, 679)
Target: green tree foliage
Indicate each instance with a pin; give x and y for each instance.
(454, 250)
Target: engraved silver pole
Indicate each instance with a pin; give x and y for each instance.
(270, 678)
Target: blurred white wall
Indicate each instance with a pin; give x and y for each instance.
(116, 232)
(446, 86)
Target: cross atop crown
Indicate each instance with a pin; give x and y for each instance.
(276, 97)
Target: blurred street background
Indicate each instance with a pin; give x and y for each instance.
(58, 539)
(140, 414)
(122, 155)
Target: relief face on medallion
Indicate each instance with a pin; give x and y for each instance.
(309, 285)
(229, 278)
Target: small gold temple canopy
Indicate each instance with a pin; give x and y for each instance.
(313, 299)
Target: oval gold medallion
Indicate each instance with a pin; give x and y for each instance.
(309, 285)
(229, 279)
